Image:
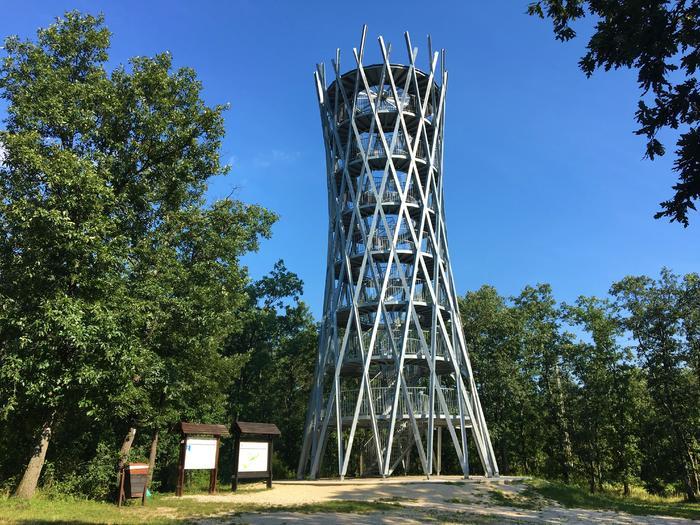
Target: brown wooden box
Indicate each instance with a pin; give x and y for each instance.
(136, 477)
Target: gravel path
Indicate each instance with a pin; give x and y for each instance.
(444, 500)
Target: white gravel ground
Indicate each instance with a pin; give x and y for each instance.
(441, 500)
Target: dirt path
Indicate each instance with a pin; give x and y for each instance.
(443, 500)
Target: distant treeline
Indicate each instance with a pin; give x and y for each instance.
(604, 390)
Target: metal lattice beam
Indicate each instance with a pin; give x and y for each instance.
(392, 357)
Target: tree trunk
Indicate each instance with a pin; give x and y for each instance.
(695, 473)
(27, 486)
(523, 444)
(689, 492)
(152, 458)
(504, 463)
(126, 447)
(690, 481)
(591, 478)
(566, 448)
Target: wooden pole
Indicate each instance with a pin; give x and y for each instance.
(214, 474)
(236, 451)
(181, 466)
(121, 487)
(269, 464)
(439, 450)
(408, 461)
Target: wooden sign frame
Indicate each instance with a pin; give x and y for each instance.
(198, 429)
(254, 432)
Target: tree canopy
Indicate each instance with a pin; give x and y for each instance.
(604, 390)
(660, 40)
(119, 283)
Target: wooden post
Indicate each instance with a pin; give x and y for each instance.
(181, 466)
(236, 451)
(213, 475)
(121, 487)
(466, 460)
(269, 465)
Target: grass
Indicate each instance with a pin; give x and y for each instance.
(161, 509)
(639, 502)
(527, 498)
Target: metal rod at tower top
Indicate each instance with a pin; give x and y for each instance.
(392, 369)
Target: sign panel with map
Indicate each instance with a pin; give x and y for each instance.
(252, 451)
(252, 456)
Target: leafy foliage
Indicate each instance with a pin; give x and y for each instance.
(661, 40)
(119, 285)
(616, 403)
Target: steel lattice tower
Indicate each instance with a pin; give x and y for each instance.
(392, 358)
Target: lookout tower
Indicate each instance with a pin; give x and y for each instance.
(393, 370)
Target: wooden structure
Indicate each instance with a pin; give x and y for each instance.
(197, 429)
(255, 462)
(132, 482)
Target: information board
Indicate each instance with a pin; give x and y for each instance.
(200, 454)
(252, 456)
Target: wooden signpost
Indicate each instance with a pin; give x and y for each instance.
(252, 452)
(199, 452)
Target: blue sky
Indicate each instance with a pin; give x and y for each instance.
(544, 179)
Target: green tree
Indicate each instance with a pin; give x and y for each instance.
(689, 304)
(279, 341)
(609, 395)
(191, 291)
(545, 345)
(118, 284)
(505, 378)
(660, 40)
(655, 319)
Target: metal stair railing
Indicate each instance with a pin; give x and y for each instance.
(383, 398)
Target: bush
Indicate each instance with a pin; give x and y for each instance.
(658, 487)
(96, 479)
(280, 470)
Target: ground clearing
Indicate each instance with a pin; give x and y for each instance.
(405, 500)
